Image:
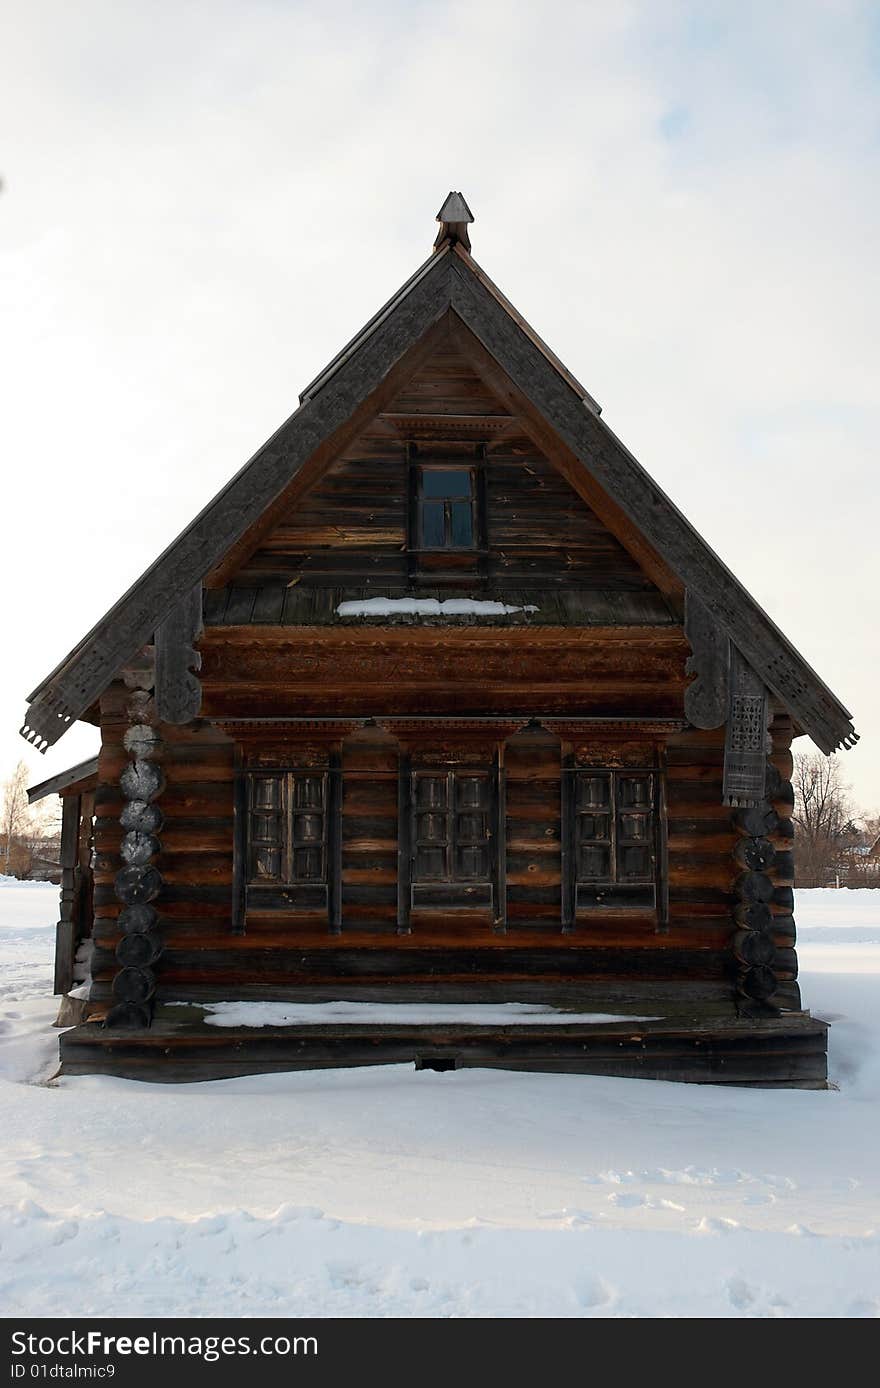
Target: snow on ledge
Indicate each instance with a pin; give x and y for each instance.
(429, 607)
(290, 1014)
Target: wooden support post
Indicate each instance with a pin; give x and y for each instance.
(404, 845)
(568, 850)
(662, 865)
(482, 528)
(66, 931)
(334, 842)
(239, 845)
(412, 515)
(499, 835)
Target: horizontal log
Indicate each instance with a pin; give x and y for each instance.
(136, 815)
(137, 884)
(134, 985)
(137, 918)
(249, 965)
(755, 854)
(758, 983)
(141, 780)
(753, 915)
(139, 950)
(137, 848)
(753, 887)
(754, 947)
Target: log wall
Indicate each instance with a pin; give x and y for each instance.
(282, 953)
(606, 643)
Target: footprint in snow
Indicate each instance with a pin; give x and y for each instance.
(65, 1231)
(591, 1291)
(213, 1224)
(867, 1308)
(740, 1294)
(626, 1200)
(708, 1225)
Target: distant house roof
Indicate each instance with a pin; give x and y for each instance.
(449, 282)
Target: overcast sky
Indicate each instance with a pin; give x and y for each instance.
(202, 201)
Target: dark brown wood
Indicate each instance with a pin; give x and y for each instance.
(67, 929)
(404, 848)
(746, 744)
(239, 847)
(334, 844)
(459, 804)
(770, 1053)
(662, 831)
(499, 842)
(178, 691)
(705, 699)
(451, 280)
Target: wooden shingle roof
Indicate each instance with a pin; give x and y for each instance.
(450, 281)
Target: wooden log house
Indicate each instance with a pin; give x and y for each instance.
(440, 700)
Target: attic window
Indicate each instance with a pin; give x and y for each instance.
(445, 507)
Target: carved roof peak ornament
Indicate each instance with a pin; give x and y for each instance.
(454, 217)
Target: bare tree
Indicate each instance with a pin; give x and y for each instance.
(824, 817)
(871, 826)
(16, 815)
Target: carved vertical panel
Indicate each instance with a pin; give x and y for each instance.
(747, 740)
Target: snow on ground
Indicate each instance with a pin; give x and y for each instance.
(391, 1192)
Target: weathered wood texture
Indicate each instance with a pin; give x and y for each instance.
(284, 950)
(347, 538)
(195, 857)
(68, 929)
(789, 1053)
(450, 294)
(615, 672)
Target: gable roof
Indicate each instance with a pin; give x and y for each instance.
(449, 281)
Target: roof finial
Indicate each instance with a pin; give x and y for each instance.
(453, 217)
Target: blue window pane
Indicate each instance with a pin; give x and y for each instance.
(433, 524)
(445, 482)
(462, 527)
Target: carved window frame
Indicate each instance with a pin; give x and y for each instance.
(449, 889)
(603, 826)
(300, 797)
(291, 888)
